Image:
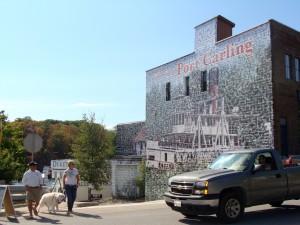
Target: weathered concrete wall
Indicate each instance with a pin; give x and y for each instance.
(131, 148)
(124, 173)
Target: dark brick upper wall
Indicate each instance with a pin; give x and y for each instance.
(285, 41)
(224, 28)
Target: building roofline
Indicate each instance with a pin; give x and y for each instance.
(170, 61)
(275, 21)
(131, 123)
(217, 17)
(223, 18)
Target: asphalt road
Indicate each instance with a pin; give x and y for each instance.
(155, 213)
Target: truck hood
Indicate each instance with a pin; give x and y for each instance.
(201, 175)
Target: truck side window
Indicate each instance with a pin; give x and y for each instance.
(263, 162)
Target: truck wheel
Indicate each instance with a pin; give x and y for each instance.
(276, 204)
(231, 208)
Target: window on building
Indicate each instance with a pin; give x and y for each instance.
(288, 67)
(283, 136)
(187, 86)
(151, 157)
(209, 121)
(297, 69)
(203, 81)
(168, 91)
(166, 157)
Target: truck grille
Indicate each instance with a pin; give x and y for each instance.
(182, 188)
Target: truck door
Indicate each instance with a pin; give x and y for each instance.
(267, 185)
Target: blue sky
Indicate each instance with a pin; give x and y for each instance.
(60, 59)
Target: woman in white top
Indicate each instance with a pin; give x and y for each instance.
(70, 184)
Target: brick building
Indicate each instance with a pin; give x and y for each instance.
(240, 91)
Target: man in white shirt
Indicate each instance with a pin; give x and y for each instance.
(33, 181)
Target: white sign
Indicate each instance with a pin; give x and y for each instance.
(59, 164)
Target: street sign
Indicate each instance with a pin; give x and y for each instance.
(33, 143)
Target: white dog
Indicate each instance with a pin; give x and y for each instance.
(51, 200)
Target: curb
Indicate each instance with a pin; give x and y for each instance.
(21, 208)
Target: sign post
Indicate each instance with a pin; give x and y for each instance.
(6, 201)
(33, 143)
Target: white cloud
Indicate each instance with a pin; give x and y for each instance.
(82, 104)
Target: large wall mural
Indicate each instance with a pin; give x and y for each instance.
(216, 99)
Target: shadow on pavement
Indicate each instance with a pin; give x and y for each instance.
(86, 215)
(69, 215)
(273, 216)
(42, 219)
(10, 219)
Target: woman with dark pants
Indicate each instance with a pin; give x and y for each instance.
(70, 184)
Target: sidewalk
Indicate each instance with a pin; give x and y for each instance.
(21, 208)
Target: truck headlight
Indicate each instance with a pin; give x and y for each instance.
(201, 188)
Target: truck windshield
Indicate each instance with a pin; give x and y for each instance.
(232, 161)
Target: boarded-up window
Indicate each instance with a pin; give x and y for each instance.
(203, 81)
(187, 86)
(168, 91)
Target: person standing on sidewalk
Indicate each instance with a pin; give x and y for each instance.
(70, 184)
(33, 181)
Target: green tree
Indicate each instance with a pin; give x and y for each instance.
(12, 152)
(140, 179)
(57, 138)
(92, 150)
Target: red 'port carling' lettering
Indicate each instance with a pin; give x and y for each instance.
(188, 67)
(231, 50)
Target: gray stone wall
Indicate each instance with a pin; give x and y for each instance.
(239, 96)
(125, 134)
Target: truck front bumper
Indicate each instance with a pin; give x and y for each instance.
(193, 205)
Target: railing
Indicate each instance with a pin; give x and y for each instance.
(18, 192)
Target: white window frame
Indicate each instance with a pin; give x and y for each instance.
(297, 69)
(287, 59)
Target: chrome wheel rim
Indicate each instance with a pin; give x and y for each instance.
(232, 208)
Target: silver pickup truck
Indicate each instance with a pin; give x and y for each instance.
(233, 181)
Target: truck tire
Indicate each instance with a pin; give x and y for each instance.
(231, 208)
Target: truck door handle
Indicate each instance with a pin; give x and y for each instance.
(278, 175)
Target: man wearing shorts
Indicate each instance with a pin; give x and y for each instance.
(33, 181)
